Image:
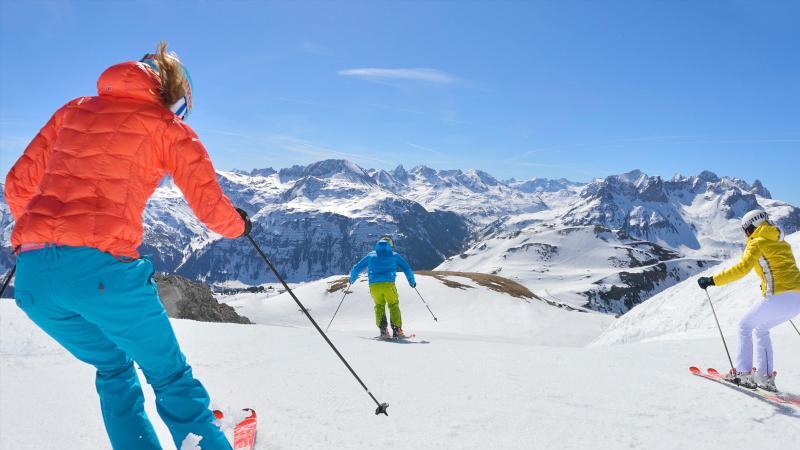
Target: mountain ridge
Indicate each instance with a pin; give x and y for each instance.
(316, 220)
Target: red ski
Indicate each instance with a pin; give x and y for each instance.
(779, 396)
(244, 435)
(714, 375)
(394, 338)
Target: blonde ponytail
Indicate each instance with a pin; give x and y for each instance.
(171, 74)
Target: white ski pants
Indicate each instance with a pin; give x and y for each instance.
(763, 316)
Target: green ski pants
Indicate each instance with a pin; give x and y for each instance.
(384, 293)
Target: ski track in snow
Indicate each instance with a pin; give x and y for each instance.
(498, 373)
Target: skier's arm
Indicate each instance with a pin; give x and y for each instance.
(186, 159)
(22, 182)
(742, 268)
(403, 264)
(358, 268)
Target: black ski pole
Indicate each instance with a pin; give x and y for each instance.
(426, 305)
(794, 326)
(720, 331)
(8, 280)
(381, 406)
(346, 291)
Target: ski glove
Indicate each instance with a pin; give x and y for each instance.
(248, 225)
(705, 282)
(413, 284)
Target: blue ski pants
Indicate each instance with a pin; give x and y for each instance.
(106, 312)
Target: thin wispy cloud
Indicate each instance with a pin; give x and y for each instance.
(415, 74)
(425, 149)
(316, 48)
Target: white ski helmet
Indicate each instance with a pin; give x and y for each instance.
(753, 220)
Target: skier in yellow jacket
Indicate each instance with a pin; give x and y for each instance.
(774, 262)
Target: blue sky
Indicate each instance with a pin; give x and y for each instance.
(519, 89)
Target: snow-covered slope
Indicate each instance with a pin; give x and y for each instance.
(460, 300)
(683, 310)
(489, 377)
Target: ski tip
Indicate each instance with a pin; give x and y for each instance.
(712, 371)
(218, 414)
(252, 412)
(694, 369)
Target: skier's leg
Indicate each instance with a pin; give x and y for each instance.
(121, 398)
(774, 311)
(393, 299)
(378, 296)
(744, 355)
(127, 309)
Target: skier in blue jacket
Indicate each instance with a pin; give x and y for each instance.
(383, 263)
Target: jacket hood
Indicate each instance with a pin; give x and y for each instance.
(129, 80)
(383, 248)
(768, 232)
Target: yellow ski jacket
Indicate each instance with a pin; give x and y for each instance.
(772, 258)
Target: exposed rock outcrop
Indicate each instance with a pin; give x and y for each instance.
(185, 299)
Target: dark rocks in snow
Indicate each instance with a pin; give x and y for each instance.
(634, 287)
(542, 185)
(263, 172)
(185, 299)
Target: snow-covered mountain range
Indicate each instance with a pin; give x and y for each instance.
(614, 242)
(608, 244)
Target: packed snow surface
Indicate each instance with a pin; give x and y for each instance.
(495, 372)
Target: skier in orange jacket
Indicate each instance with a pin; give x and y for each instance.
(77, 195)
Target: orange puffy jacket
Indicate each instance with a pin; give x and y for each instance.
(85, 179)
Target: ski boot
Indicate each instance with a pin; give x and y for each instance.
(743, 379)
(766, 381)
(397, 332)
(384, 327)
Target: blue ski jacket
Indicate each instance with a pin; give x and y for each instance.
(383, 264)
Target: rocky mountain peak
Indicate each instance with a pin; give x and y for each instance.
(260, 172)
(337, 168)
(400, 174)
(759, 189)
(708, 176)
